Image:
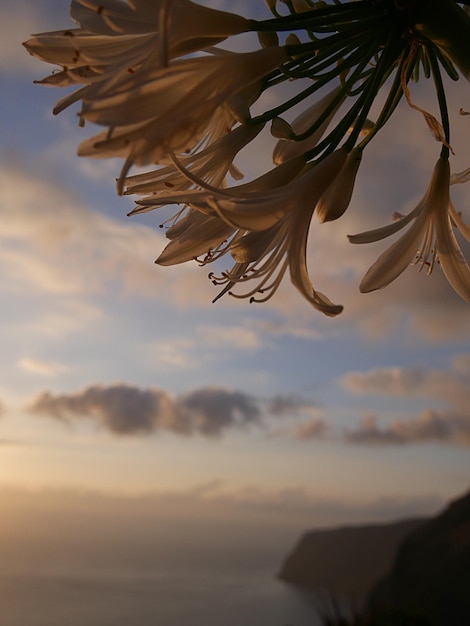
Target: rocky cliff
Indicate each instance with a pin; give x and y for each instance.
(430, 576)
(347, 561)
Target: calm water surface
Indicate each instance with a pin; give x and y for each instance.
(165, 598)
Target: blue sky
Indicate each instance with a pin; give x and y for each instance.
(120, 376)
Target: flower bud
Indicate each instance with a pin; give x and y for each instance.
(337, 197)
(281, 129)
(268, 39)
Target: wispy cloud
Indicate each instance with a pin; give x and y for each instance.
(450, 424)
(230, 337)
(452, 386)
(315, 428)
(216, 500)
(41, 367)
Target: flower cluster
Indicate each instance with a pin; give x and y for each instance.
(157, 76)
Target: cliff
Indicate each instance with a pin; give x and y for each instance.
(430, 576)
(347, 561)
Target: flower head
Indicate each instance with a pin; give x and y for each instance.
(151, 74)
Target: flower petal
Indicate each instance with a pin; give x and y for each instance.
(452, 261)
(394, 260)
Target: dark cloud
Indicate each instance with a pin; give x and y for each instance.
(428, 427)
(288, 404)
(125, 409)
(213, 409)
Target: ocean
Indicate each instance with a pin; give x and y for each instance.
(163, 598)
(94, 560)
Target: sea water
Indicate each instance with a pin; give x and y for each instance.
(195, 597)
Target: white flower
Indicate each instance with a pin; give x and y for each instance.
(264, 208)
(211, 165)
(177, 20)
(429, 238)
(266, 231)
(121, 35)
(170, 109)
(120, 38)
(196, 231)
(203, 197)
(194, 235)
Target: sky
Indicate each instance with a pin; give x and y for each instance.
(121, 378)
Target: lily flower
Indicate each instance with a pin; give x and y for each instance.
(195, 230)
(429, 238)
(115, 36)
(211, 165)
(266, 233)
(194, 235)
(120, 38)
(264, 208)
(263, 257)
(148, 113)
(184, 21)
(204, 195)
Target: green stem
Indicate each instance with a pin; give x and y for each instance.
(394, 96)
(361, 57)
(317, 17)
(441, 97)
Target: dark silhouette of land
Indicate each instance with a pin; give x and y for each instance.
(410, 572)
(349, 560)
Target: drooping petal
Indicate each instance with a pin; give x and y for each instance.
(461, 225)
(204, 233)
(377, 234)
(297, 256)
(452, 261)
(394, 260)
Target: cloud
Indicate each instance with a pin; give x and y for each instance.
(283, 405)
(316, 428)
(428, 427)
(214, 410)
(43, 368)
(125, 409)
(450, 424)
(52, 244)
(214, 501)
(231, 337)
(451, 386)
(209, 411)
